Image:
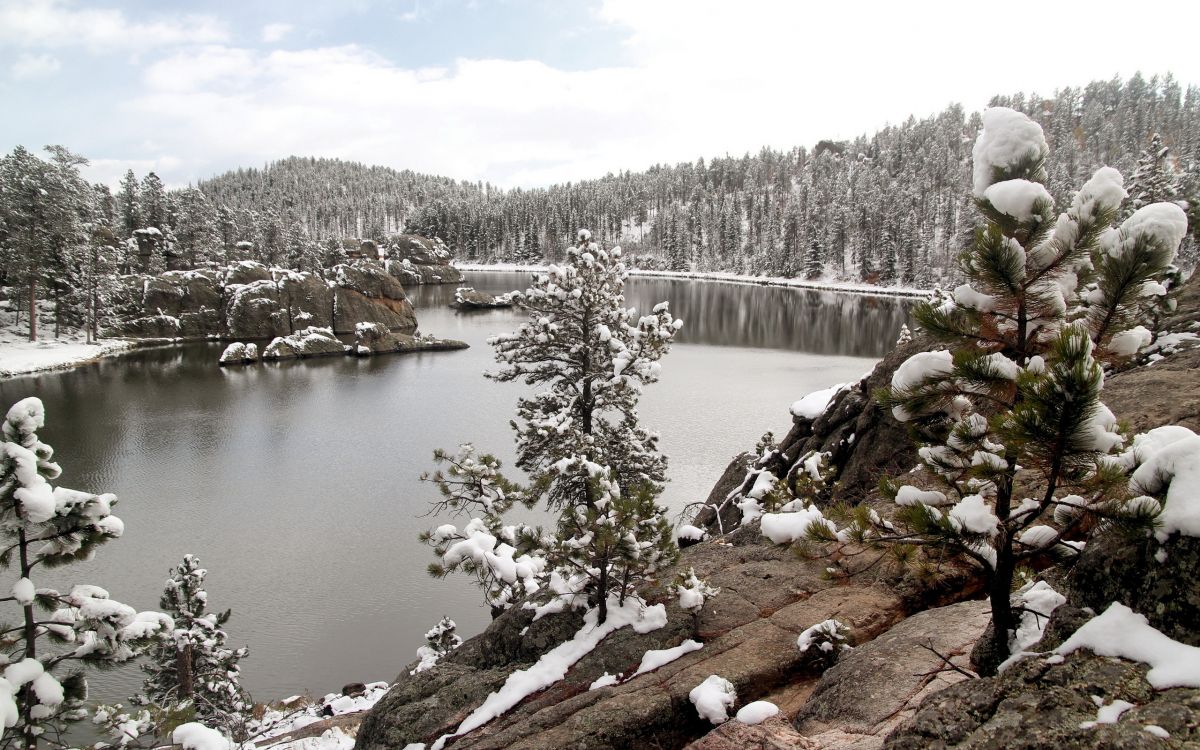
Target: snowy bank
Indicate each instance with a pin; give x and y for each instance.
(24, 357)
(849, 287)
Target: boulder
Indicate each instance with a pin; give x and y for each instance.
(310, 342)
(418, 260)
(1034, 705)
(875, 687)
(244, 272)
(238, 353)
(467, 298)
(368, 278)
(1177, 374)
(1116, 568)
(203, 322)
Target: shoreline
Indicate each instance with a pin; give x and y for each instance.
(848, 287)
(21, 358)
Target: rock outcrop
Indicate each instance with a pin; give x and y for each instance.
(749, 632)
(418, 260)
(1036, 705)
(249, 301)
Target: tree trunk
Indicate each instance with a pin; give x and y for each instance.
(183, 665)
(602, 605)
(33, 309)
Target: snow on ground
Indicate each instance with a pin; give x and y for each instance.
(554, 664)
(1121, 632)
(851, 287)
(814, 404)
(19, 356)
(757, 712)
(713, 698)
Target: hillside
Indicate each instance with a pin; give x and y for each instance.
(889, 206)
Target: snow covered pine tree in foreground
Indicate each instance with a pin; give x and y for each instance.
(192, 674)
(1012, 419)
(578, 439)
(56, 633)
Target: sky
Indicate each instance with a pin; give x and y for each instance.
(526, 93)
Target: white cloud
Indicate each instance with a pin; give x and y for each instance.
(274, 32)
(28, 66)
(59, 23)
(698, 78)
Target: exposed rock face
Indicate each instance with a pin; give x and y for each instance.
(1036, 705)
(1167, 392)
(467, 298)
(767, 599)
(418, 260)
(875, 687)
(250, 301)
(311, 342)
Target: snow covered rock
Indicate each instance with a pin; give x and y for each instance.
(713, 698)
(468, 298)
(238, 353)
(310, 342)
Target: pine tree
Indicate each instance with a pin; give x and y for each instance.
(814, 262)
(193, 673)
(46, 527)
(128, 200)
(1154, 179)
(578, 440)
(1021, 389)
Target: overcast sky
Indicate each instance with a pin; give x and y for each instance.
(530, 92)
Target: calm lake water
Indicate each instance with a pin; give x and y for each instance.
(297, 483)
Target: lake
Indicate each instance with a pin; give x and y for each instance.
(297, 483)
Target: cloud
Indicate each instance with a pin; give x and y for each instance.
(695, 78)
(28, 66)
(274, 32)
(60, 24)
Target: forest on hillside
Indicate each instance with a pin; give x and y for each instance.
(892, 206)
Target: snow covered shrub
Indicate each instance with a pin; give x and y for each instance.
(692, 591)
(578, 439)
(192, 674)
(439, 641)
(42, 686)
(822, 644)
(1019, 389)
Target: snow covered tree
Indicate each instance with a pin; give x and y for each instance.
(814, 262)
(43, 527)
(439, 641)
(1020, 392)
(192, 674)
(578, 439)
(1154, 180)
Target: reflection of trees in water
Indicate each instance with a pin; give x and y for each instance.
(807, 320)
(767, 317)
